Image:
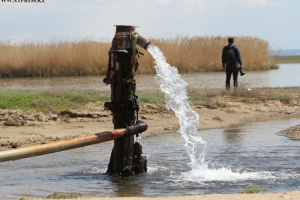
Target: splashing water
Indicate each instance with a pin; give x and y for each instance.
(174, 89)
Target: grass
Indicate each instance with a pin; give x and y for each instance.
(252, 189)
(65, 100)
(50, 101)
(287, 59)
(286, 95)
(63, 196)
(90, 57)
(56, 101)
(154, 98)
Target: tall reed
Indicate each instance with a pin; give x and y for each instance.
(64, 58)
(192, 54)
(89, 57)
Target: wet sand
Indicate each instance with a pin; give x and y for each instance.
(19, 129)
(264, 196)
(293, 132)
(270, 196)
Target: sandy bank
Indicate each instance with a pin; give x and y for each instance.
(19, 129)
(293, 132)
(264, 196)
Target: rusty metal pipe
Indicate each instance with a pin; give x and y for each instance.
(26, 152)
(143, 42)
(122, 38)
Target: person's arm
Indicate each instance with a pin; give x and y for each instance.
(238, 56)
(223, 58)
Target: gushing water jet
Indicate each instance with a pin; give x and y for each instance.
(174, 89)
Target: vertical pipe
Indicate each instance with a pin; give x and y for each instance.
(121, 69)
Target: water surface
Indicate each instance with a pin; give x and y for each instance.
(237, 156)
(285, 76)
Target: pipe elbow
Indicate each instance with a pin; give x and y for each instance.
(139, 127)
(143, 42)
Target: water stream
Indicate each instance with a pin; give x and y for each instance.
(174, 89)
(236, 156)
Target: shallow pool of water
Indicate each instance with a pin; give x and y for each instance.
(236, 156)
(285, 76)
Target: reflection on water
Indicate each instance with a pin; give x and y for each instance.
(134, 190)
(286, 75)
(233, 136)
(251, 153)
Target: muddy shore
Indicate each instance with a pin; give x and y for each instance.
(293, 132)
(265, 196)
(270, 196)
(19, 129)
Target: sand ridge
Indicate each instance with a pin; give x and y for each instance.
(19, 129)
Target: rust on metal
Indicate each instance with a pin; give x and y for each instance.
(143, 42)
(124, 44)
(126, 81)
(126, 158)
(72, 143)
(125, 28)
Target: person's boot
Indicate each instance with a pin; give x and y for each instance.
(227, 86)
(235, 84)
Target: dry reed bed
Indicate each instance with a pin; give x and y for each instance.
(89, 57)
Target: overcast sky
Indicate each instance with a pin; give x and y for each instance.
(276, 21)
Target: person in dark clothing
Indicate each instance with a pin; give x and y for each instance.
(231, 59)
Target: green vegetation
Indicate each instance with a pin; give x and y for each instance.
(287, 59)
(72, 100)
(63, 196)
(47, 101)
(56, 101)
(154, 98)
(210, 97)
(252, 189)
(89, 57)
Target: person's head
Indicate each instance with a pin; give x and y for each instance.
(230, 40)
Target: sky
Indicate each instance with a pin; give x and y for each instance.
(276, 21)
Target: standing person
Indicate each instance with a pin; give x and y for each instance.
(231, 59)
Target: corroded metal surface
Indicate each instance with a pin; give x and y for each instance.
(125, 28)
(124, 37)
(72, 143)
(143, 42)
(126, 158)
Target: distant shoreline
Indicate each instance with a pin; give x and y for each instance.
(287, 59)
(285, 52)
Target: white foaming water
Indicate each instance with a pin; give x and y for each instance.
(174, 89)
(221, 174)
